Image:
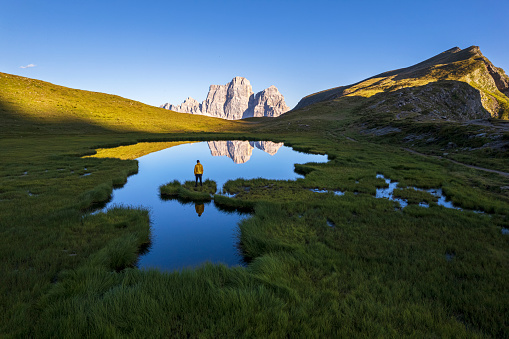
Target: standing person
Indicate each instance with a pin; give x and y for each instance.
(198, 172)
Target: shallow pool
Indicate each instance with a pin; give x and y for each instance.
(187, 235)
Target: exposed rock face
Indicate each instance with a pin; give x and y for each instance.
(238, 98)
(214, 104)
(269, 103)
(441, 100)
(240, 151)
(234, 101)
(190, 105)
(486, 96)
(499, 77)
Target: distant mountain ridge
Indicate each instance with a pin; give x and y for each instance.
(235, 100)
(454, 85)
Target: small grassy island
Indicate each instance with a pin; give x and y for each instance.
(321, 264)
(188, 191)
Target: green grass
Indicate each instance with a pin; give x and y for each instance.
(188, 191)
(28, 105)
(319, 264)
(305, 278)
(170, 189)
(413, 196)
(376, 272)
(208, 186)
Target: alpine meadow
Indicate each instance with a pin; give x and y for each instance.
(324, 256)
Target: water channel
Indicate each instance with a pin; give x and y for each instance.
(187, 235)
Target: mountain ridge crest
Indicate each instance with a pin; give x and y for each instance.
(235, 100)
(468, 66)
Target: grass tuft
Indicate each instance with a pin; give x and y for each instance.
(188, 191)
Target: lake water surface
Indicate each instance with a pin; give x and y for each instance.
(187, 235)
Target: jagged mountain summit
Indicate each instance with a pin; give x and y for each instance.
(235, 100)
(455, 85)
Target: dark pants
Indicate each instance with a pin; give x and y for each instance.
(198, 176)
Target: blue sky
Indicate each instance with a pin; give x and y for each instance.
(165, 51)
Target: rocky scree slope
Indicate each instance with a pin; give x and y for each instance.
(235, 100)
(456, 85)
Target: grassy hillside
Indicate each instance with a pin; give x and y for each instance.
(321, 265)
(28, 105)
(432, 107)
(468, 66)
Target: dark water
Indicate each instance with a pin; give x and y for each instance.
(187, 235)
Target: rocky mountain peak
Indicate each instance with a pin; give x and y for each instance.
(235, 100)
(238, 98)
(472, 49)
(456, 85)
(269, 102)
(240, 81)
(452, 50)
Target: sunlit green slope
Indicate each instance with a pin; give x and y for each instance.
(28, 105)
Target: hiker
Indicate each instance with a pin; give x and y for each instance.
(198, 172)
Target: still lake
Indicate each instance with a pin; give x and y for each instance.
(187, 235)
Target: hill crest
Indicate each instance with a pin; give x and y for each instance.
(30, 105)
(468, 66)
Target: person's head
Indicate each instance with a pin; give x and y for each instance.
(197, 161)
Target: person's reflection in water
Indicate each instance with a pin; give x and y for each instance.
(199, 208)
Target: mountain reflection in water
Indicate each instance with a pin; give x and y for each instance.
(240, 151)
(187, 234)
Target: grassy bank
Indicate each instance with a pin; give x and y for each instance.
(320, 264)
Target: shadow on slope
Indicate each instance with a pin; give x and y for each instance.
(319, 118)
(34, 106)
(15, 121)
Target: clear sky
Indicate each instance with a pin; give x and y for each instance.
(164, 51)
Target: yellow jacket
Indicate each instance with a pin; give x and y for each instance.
(198, 169)
(199, 209)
